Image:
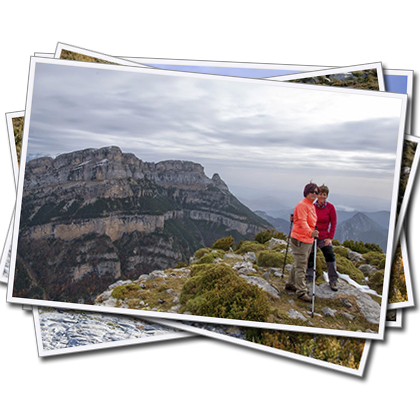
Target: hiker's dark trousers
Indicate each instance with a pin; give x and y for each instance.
(329, 256)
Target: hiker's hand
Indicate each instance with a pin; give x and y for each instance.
(314, 234)
(327, 242)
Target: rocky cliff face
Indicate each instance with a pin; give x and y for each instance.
(148, 215)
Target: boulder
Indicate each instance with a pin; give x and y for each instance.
(244, 267)
(355, 257)
(263, 284)
(329, 312)
(367, 269)
(274, 241)
(250, 256)
(157, 274)
(296, 315)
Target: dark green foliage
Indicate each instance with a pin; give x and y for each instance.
(209, 258)
(376, 281)
(397, 285)
(248, 246)
(217, 291)
(265, 235)
(200, 252)
(345, 266)
(224, 243)
(127, 291)
(377, 259)
(320, 265)
(362, 247)
(195, 269)
(339, 250)
(270, 259)
(181, 264)
(337, 350)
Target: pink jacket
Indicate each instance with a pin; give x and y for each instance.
(327, 220)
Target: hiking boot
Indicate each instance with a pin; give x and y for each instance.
(305, 298)
(290, 287)
(333, 286)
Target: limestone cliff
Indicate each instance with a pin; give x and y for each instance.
(149, 215)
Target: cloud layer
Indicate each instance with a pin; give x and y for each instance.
(255, 134)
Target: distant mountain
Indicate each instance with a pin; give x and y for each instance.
(360, 227)
(95, 215)
(380, 217)
(281, 225)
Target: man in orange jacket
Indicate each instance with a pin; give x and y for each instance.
(302, 238)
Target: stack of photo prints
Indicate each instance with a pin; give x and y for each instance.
(155, 201)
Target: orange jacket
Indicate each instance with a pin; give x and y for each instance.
(304, 221)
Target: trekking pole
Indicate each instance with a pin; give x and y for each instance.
(287, 247)
(314, 276)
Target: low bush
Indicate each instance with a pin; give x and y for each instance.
(217, 291)
(377, 259)
(224, 243)
(209, 258)
(345, 266)
(340, 250)
(200, 252)
(362, 247)
(128, 291)
(270, 259)
(249, 246)
(265, 235)
(376, 281)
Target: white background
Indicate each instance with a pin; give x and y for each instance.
(201, 378)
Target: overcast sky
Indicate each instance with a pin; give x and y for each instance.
(264, 139)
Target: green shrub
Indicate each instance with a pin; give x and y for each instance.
(362, 247)
(270, 259)
(218, 291)
(321, 265)
(345, 266)
(376, 281)
(181, 264)
(197, 268)
(126, 291)
(249, 246)
(377, 259)
(224, 243)
(209, 258)
(279, 247)
(339, 250)
(200, 252)
(265, 235)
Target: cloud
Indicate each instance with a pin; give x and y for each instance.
(254, 127)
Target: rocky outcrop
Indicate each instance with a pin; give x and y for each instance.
(65, 329)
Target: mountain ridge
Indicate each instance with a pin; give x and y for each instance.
(139, 216)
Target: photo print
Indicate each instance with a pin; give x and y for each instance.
(124, 317)
(153, 85)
